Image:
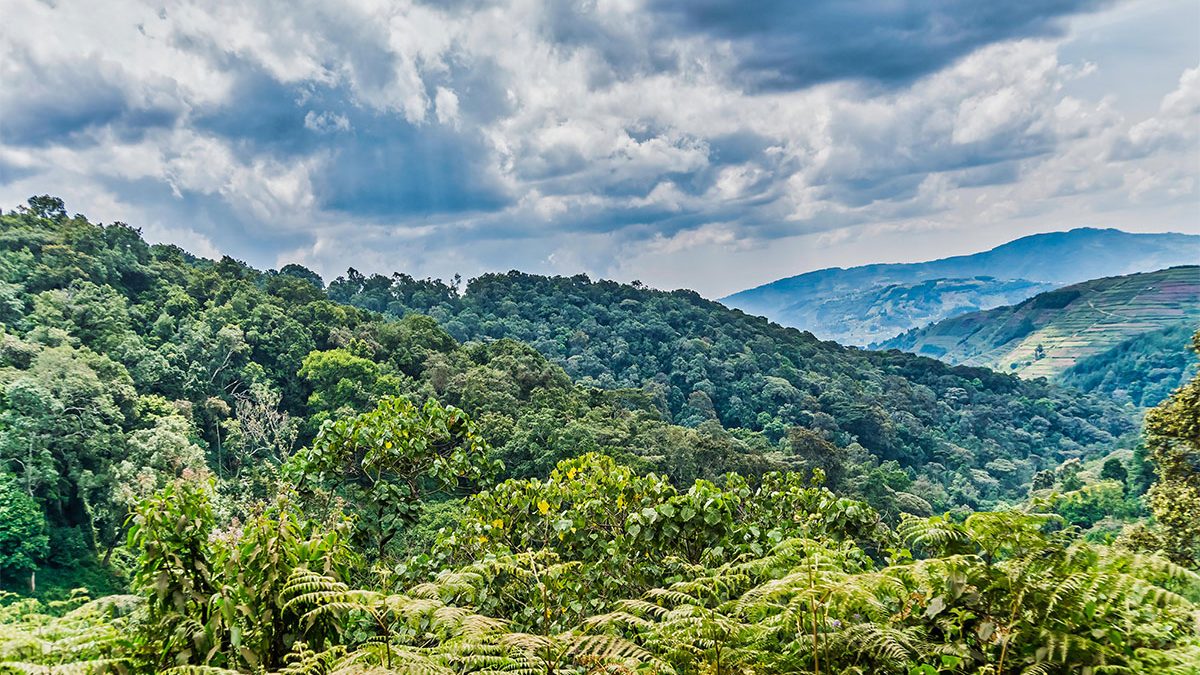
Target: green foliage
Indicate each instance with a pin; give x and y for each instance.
(215, 597)
(76, 635)
(343, 381)
(1114, 470)
(996, 593)
(1142, 371)
(124, 366)
(387, 460)
(618, 531)
(23, 538)
(1173, 443)
(703, 363)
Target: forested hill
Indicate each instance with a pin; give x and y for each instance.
(706, 362)
(265, 479)
(145, 347)
(871, 303)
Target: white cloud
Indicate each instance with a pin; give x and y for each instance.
(326, 122)
(446, 105)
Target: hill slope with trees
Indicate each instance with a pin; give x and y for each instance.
(703, 362)
(258, 478)
(159, 363)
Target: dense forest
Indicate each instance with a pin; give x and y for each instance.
(250, 472)
(1141, 371)
(975, 436)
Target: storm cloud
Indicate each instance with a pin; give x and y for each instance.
(704, 143)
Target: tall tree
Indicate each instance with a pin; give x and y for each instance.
(387, 460)
(1173, 442)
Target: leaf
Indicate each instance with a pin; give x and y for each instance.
(935, 607)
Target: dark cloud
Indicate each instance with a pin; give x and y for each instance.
(387, 167)
(738, 147)
(999, 173)
(480, 85)
(791, 44)
(10, 173)
(618, 40)
(61, 103)
(262, 112)
(380, 164)
(888, 169)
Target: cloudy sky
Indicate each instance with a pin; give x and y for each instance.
(712, 144)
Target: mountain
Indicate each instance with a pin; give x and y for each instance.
(858, 318)
(125, 365)
(1055, 332)
(966, 434)
(858, 306)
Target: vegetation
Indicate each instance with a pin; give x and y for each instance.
(1173, 441)
(586, 583)
(943, 428)
(1141, 371)
(274, 481)
(1123, 336)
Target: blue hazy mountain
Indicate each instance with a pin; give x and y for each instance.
(871, 303)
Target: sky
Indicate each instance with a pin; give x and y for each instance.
(707, 144)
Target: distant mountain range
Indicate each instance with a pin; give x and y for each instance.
(872, 303)
(1055, 333)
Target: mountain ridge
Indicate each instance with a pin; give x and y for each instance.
(1050, 258)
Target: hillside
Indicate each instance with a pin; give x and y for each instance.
(1027, 265)
(706, 363)
(1142, 370)
(858, 318)
(1052, 332)
(263, 478)
(160, 363)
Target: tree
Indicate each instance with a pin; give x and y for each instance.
(343, 382)
(1042, 480)
(215, 599)
(1173, 443)
(23, 540)
(818, 453)
(156, 456)
(60, 432)
(302, 272)
(1114, 469)
(1068, 475)
(387, 460)
(46, 206)
(264, 435)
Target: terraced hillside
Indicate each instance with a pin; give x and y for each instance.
(1051, 332)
